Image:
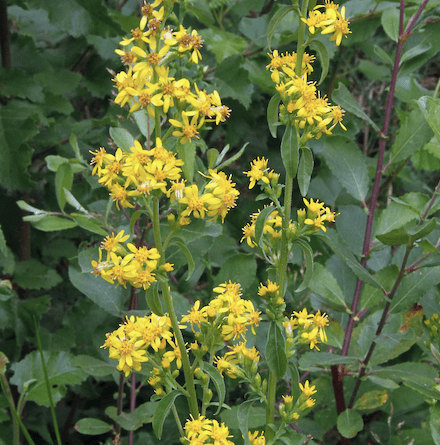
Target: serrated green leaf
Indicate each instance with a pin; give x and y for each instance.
(122, 138)
(305, 170)
(413, 286)
(219, 383)
(347, 164)
(413, 134)
(325, 285)
(394, 217)
(275, 21)
(308, 255)
(273, 114)
(162, 411)
(61, 372)
(92, 427)
(371, 399)
(320, 48)
(408, 237)
(290, 150)
(344, 98)
(32, 274)
(390, 23)
(340, 248)
(276, 351)
(430, 108)
(349, 423)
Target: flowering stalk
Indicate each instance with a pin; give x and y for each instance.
(189, 379)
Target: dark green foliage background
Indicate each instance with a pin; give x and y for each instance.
(56, 105)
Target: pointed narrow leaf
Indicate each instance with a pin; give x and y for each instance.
(276, 351)
(290, 150)
(153, 300)
(162, 411)
(259, 228)
(275, 20)
(28, 208)
(63, 180)
(344, 98)
(134, 218)
(340, 248)
(89, 223)
(144, 122)
(122, 138)
(434, 423)
(305, 170)
(295, 390)
(308, 256)
(219, 384)
(232, 158)
(243, 419)
(189, 258)
(50, 223)
(73, 202)
(323, 58)
(272, 114)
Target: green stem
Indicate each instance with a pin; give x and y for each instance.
(189, 379)
(270, 408)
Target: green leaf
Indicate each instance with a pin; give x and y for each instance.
(340, 248)
(153, 300)
(408, 237)
(219, 383)
(308, 255)
(132, 421)
(63, 180)
(276, 351)
(50, 223)
(144, 122)
(295, 390)
(414, 52)
(223, 44)
(349, 423)
(372, 399)
(347, 164)
(325, 285)
(385, 383)
(70, 199)
(92, 427)
(189, 258)
(233, 80)
(434, 423)
(94, 367)
(122, 138)
(240, 268)
(390, 23)
(7, 261)
(244, 411)
(259, 228)
(430, 108)
(311, 360)
(231, 159)
(413, 286)
(320, 48)
(187, 152)
(305, 170)
(394, 217)
(413, 134)
(383, 55)
(276, 19)
(32, 274)
(343, 97)
(162, 411)
(290, 150)
(104, 294)
(89, 223)
(61, 372)
(273, 114)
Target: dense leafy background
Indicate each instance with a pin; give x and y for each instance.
(56, 105)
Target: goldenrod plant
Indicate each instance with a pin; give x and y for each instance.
(250, 259)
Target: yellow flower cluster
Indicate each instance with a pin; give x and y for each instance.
(310, 327)
(257, 438)
(135, 265)
(129, 343)
(203, 431)
(289, 411)
(136, 175)
(317, 214)
(149, 84)
(228, 314)
(329, 21)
